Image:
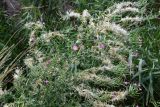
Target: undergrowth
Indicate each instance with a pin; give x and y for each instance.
(80, 53)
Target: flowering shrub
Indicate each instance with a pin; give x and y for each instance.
(85, 64)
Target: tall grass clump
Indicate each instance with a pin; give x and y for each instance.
(145, 55)
(146, 52)
(11, 33)
(6, 69)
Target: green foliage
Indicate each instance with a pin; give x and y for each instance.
(148, 51)
(10, 34)
(75, 61)
(145, 41)
(39, 89)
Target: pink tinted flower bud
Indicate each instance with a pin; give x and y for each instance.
(46, 82)
(75, 47)
(101, 46)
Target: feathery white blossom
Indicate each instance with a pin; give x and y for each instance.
(101, 104)
(72, 14)
(122, 5)
(117, 96)
(123, 10)
(132, 19)
(126, 4)
(47, 36)
(36, 25)
(39, 56)
(17, 73)
(88, 94)
(85, 14)
(117, 29)
(29, 62)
